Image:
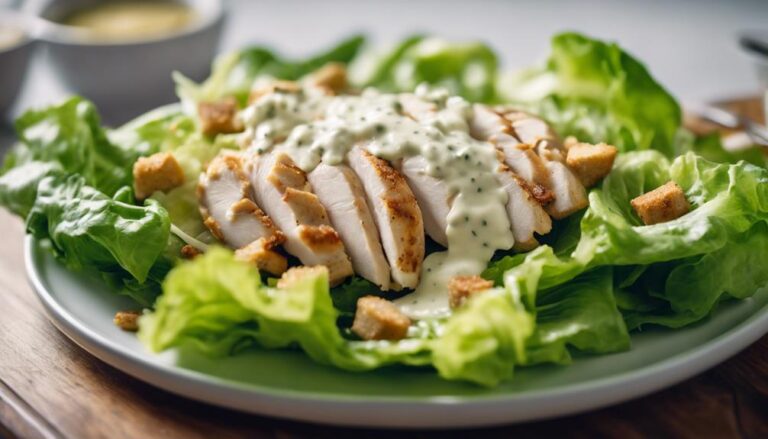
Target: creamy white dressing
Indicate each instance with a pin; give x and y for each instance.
(314, 128)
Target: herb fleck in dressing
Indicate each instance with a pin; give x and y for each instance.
(312, 127)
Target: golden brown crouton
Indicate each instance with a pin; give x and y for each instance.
(379, 319)
(127, 320)
(662, 204)
(260, 254)
(219, 117)
(298, 273)
(158, 172)
(190, 252)
(278, 86)
(332, 77)
(461, 288)
(590, 162)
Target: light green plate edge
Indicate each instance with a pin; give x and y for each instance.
(286, 384)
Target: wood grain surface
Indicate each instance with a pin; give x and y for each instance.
(51, 388)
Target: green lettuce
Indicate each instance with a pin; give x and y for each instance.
(728, 201)
(233, 74)
(466, 69)
(89, 231)
(597, 92)
(70, 136)
(220, 306)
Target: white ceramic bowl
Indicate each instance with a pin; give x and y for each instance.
(14, 60)
(125, 79)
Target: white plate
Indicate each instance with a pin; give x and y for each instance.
(288, 385)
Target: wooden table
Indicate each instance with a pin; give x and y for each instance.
(49, 388)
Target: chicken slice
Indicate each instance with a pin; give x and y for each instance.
(342, 194)
(282, 188)
(527, 217)
(396, 213)
(227, 205)
(486, 123)
(570, 195)
(522, 159)
(432, 195)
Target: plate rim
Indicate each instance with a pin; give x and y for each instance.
(404, 412)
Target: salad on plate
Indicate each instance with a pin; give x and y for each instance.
(412, 205)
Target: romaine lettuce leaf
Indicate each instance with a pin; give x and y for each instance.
(89, 231)
(466, 69)
(233, 74)
(727, 200)
(220, 306)
(70, 136)
(599, 93)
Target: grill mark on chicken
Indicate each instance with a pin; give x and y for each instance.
(240, 211)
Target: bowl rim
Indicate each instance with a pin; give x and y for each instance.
(56, 33)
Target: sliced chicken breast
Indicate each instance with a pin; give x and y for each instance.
(227, 206)
(396, 213)
(570, 195)
(527, 217)
(485, 123)
(522, 159)
(282, 189)
(341, 193)
(432, 196)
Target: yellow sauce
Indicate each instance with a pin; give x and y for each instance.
(132, 20)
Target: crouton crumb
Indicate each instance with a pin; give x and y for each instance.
(590, 162)
(461, 288)
(219, 117)
(263, 257)
(662, 204)
(332, 77)
(379, 319)
(296, 274)
(158, 172)
(190, 252)
(127, 320)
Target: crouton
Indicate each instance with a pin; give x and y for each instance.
(662, 204)
(219, 117)
(127, 320)
(379, 319)
(298, 273)
(263, 257)
(158, 172)
(278, 86)
(461, 288)
(332, 77)
(590, 162)
(190, 252)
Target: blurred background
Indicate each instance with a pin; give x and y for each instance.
(691, 46)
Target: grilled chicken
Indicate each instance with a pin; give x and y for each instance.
(570, 195)
(522, 159)
(396, 213)
(527, 217)
(340, 191)
(227, 206)
(537, 158)
(432, 196)
(282, 189)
